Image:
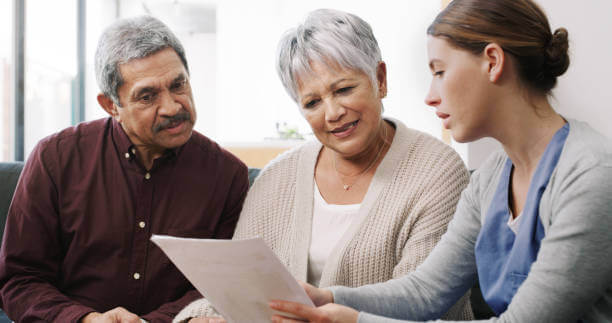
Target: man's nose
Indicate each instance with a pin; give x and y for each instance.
(169, 105)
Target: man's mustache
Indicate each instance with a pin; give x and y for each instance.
(172, 121)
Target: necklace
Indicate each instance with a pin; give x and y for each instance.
(346, 187)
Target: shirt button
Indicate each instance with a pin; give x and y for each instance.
(147, 175)
(136, 276)
(141, 224)
(127, 155)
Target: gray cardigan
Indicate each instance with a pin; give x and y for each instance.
(572, 276)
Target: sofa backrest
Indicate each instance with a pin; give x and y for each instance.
(253, 173)
(9, 175)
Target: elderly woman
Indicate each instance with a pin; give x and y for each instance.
(369, 200)
(534, 223)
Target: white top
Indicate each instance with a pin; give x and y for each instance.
(329, 223)
(513, 223)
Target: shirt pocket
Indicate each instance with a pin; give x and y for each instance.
(157, 255)
(186, 233)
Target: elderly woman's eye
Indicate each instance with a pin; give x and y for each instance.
(311, 104)
(345, 89)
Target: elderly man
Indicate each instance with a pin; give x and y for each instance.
(76, 246)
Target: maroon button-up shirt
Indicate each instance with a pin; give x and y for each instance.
(78, 229)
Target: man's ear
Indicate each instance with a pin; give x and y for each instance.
(108, 105)
(495, 59)
(381, 77)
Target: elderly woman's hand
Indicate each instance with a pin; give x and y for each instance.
(325, 314)
(207, 320)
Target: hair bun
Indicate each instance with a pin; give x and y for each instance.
(557, 56)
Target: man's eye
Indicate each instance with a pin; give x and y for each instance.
(147, 98)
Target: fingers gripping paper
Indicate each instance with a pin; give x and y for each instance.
(239, 277)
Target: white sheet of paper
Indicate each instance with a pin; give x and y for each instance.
(239, 277)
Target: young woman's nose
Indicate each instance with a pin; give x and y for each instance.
(432, 98)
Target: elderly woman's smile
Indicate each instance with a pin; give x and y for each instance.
(345, 130)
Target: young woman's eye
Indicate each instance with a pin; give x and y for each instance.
(438, 73)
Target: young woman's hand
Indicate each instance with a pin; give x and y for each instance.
(329, 313)
(319, 296)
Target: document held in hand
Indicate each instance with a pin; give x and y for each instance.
(238, 277)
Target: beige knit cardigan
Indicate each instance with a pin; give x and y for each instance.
(405, 211)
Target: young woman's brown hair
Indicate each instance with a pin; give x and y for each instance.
(520, 27)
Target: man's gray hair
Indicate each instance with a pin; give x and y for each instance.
(329, 37)
(128, 39)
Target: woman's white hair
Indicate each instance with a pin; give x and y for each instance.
(332, 37)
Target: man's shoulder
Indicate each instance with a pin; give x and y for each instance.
(73, 134)
(211, 148)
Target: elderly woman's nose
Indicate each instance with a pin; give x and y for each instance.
(334, 111)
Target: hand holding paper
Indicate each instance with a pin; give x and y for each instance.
(239, 277)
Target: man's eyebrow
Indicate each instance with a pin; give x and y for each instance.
(181, 77)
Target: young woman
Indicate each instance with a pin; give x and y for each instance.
(534, 223)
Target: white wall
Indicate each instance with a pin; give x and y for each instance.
(585, 91)
(251, 99)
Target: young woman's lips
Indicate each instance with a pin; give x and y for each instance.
(442, 115)
(445, 119)
(345, 130)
